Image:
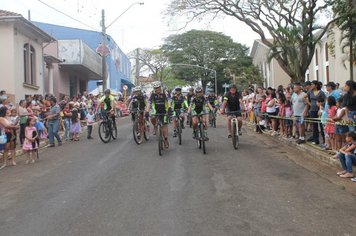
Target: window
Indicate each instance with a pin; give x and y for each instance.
(326, 52)
(316, 57)
(327, 74)
(317, 75)
(29, 59)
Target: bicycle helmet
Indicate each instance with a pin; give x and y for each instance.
(232, 86)
(156, 84)
(107, 91)
(199, 90)
(178, 88)
(136, 89)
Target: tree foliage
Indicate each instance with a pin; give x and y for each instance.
(347, 24)
(203, 49)
(155, 61)
(292, 25)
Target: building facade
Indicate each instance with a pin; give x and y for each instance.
(21, 59)
(118, 64)
(271, 72)
(329, 63)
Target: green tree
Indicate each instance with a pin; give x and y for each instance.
(347, 24)
(292, 25)
(155, 61)
(202, 49)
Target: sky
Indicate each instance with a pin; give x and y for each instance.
(142, 26)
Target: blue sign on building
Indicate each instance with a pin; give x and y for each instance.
(118, 64)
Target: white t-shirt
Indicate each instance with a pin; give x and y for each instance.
(90, 119)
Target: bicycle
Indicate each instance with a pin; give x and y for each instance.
(212, 116)
(200, 133)
(107, 128)
(179, 125)
(137, 127)
(234, 129)
(159, 128)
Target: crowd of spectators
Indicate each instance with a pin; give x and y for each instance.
(38, 117)
(327, 111)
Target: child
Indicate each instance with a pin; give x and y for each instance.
(340, 129)
(288, 115)
(347, 156)
(90, 117)
(30, 143)
(282, 114)
(75, 127)
(330, 126)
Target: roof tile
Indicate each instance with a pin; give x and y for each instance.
(8, 13)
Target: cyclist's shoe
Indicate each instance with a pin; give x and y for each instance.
(240, 132)
(206, 138)
(175, 134)
(229, 135)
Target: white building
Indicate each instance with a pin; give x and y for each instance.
(21, 58)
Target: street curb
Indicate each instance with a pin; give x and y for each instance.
(306, 148)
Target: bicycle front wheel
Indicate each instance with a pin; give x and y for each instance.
(114, 130)
(179, 127)
(202, 137)
(136, 133)
(234, 135)
(160, 140)
(104, 132)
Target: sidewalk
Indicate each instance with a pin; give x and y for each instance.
(312, 150)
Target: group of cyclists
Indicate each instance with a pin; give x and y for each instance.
(160, 106)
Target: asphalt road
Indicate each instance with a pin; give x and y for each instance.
(120, 188)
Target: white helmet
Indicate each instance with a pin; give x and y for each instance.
(136, 89)
(156, 84)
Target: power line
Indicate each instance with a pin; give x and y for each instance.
(53, 8)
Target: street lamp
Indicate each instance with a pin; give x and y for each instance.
(203, 67)
(104, 49)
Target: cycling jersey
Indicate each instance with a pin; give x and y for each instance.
(107, 102)
(198, 104)
(189, 98)
(213, 100)
(138, 102)
(233, 101)
(178, 102)
(159, 102)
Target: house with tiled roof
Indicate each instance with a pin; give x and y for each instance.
(21, 57)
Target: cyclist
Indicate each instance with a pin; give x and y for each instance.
(178, 104)
(233, 102)
(213, 100)
(139, 103)
(188, 99)
(108, 102)
(159, 104)
(197, 107)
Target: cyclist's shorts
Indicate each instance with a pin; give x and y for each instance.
(162, 118)
(194, 113)
(177, 113)
(235, 113)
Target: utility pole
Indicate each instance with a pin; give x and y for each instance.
(103, 44)
(137, 74)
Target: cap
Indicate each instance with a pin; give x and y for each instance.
(331, 84)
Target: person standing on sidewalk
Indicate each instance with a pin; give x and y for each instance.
(67, 120)
(350, 103)
(53, 122)
(90, 118)
(23, 114)
(299, 110)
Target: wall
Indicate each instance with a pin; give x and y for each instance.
(7, 58)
